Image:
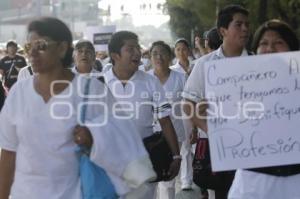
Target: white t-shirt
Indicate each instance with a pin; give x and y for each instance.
(177, 67)
(195, 86)
(41, 134)
(141, 97)
(173, 88)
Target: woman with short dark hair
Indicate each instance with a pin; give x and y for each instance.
(273, 36)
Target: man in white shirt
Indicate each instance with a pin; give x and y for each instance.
(233, 26)
(84, 58)
(141, 96)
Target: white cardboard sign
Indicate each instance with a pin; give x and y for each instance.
(254, 110)
(99, 36)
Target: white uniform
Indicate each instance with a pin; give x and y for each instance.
(254, 185)
(41, 134)
(186, 172)
(195, 86)
(177, 67)
(173, 87)
(141, 97)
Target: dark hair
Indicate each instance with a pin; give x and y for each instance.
(225, 15)
(213, 38)
(182, 40)
(11, 43)
(56, 30)
(282, 28)
(85, 43)
(162, 44)
(117, 41)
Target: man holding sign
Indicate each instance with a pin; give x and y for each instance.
(233, 27)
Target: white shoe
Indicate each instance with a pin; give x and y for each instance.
(186, 187)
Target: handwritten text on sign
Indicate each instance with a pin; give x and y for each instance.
(254, 110)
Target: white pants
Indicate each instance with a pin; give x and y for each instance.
(253, 185)
(186, 170)
(166, 190)
(186, 174)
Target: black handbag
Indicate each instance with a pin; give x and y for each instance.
(202, 173)
(160, 155)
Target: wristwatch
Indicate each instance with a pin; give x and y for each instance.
(177, 157)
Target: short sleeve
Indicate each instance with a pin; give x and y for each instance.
(161, 106)
(8, 134)
(194, 88)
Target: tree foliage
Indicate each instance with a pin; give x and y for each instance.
(200, 15)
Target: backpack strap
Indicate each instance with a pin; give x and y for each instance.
(30, 70)
(101, 79)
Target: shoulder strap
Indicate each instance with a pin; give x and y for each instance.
(30, 70)
(101, 79)
(85, 99)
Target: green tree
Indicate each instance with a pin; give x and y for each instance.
(189, 15)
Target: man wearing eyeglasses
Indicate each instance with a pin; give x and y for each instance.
(11, 64)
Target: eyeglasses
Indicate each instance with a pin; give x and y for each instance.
(40, 45)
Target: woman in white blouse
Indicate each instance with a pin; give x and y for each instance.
(39, 129)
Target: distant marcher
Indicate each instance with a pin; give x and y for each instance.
(11, 64)
(185, 66)
(85, 58)
(212, 40)
(182, 51)
(275, 182)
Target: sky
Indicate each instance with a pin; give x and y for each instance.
(143, 12)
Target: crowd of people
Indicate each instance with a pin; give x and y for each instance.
(135, 95)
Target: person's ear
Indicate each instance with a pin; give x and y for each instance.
(222, 32)
(115, 56)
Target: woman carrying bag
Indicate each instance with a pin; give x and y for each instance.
(39, 125)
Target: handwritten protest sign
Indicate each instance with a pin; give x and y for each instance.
(254, 110)
(100, 36)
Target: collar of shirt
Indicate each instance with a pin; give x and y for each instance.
(177, 67)
(220, 54)
(191, 63)
(74, 70)
(110, 76)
